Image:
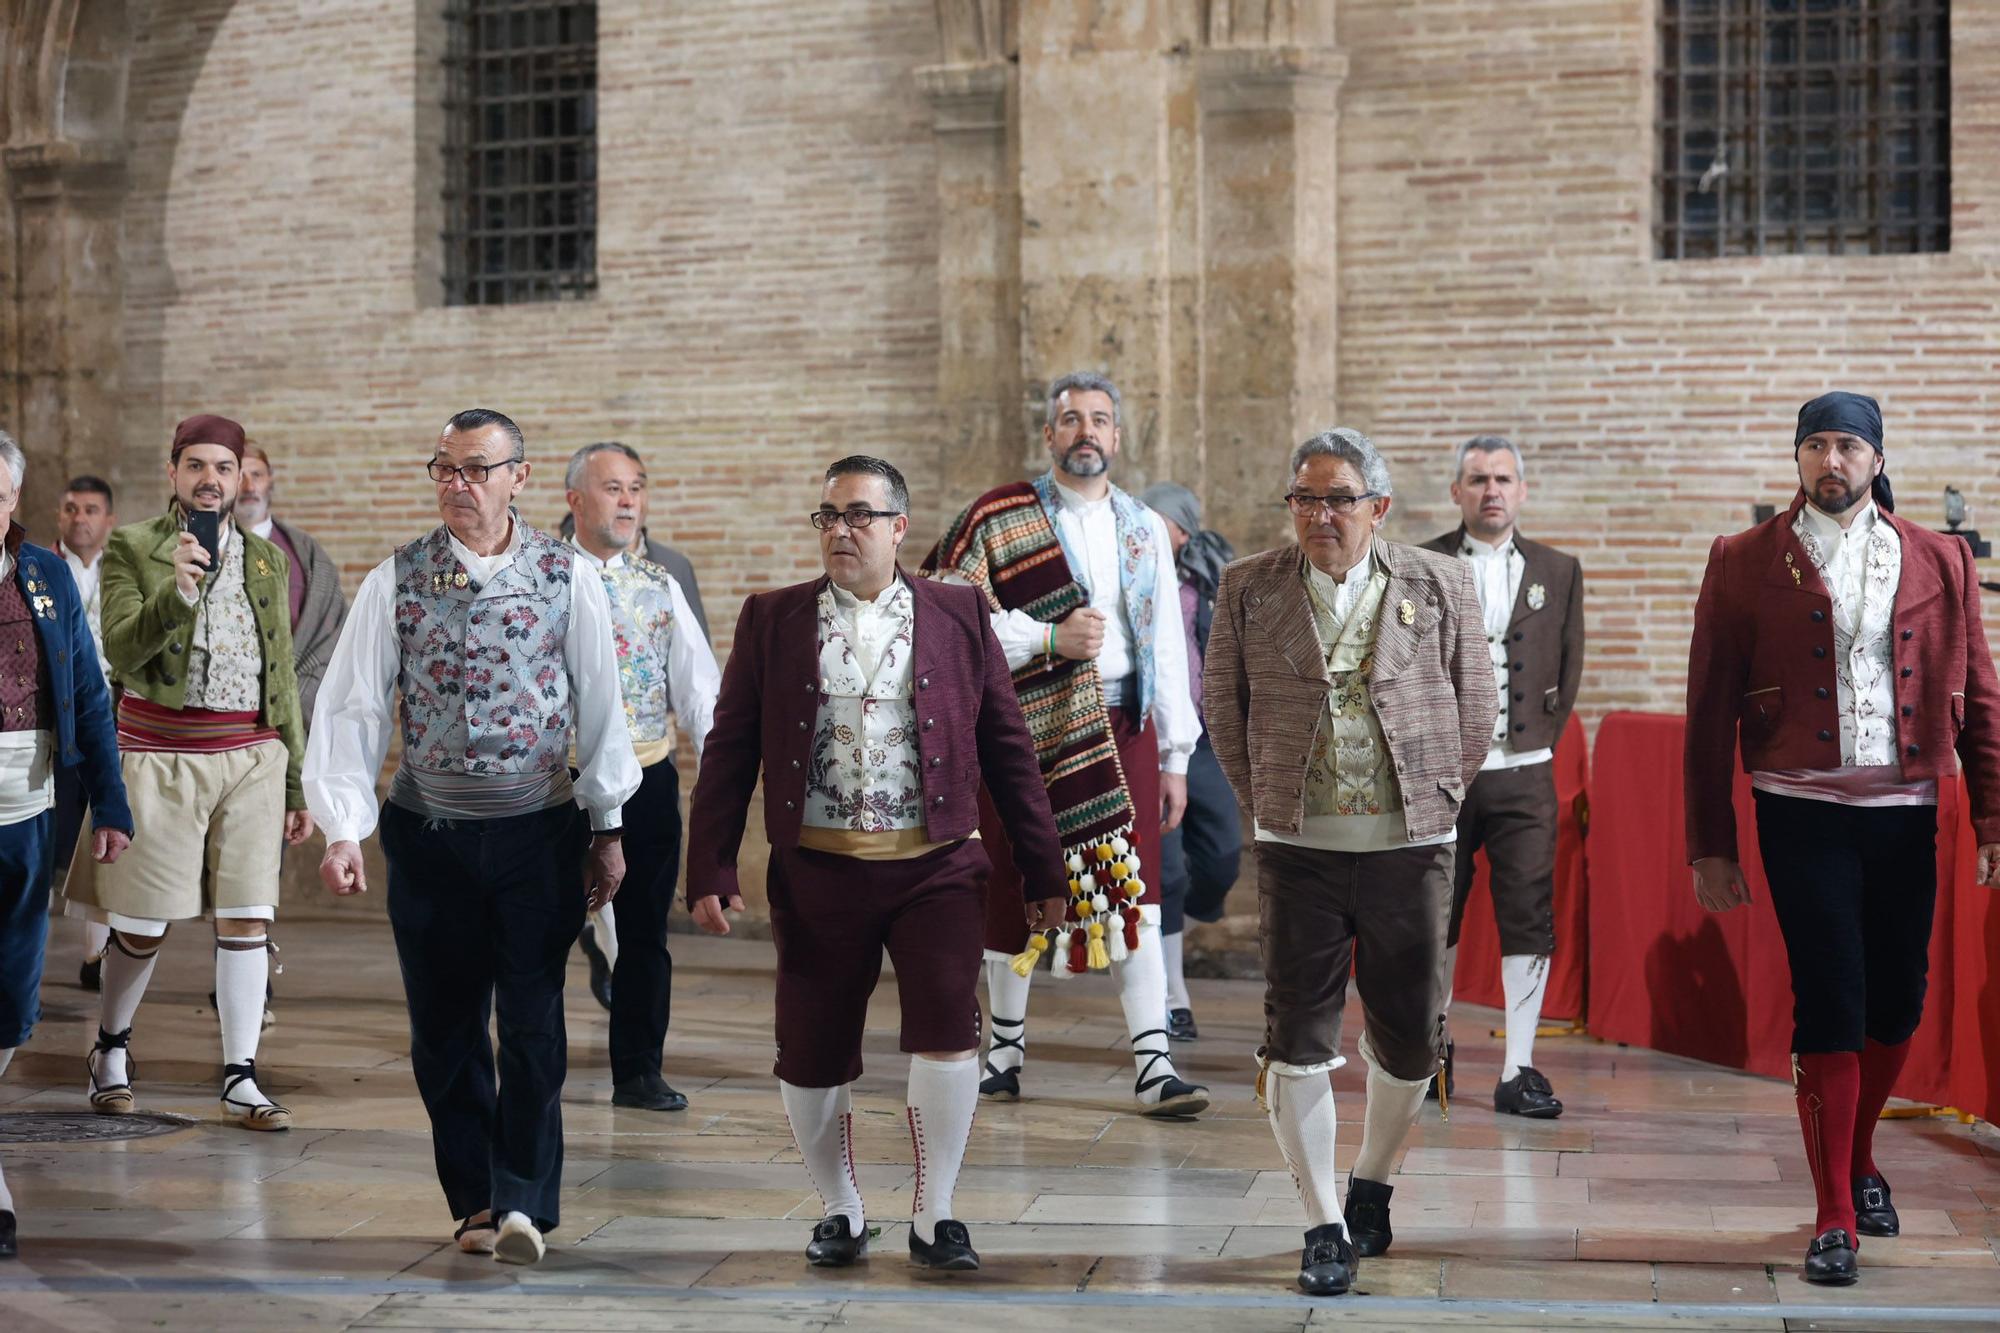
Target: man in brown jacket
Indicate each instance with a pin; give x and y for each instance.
(1351, 701)
(1531, 596)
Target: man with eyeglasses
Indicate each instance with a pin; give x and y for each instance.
(1088, 609)
(874, 705)
(498, 647)
(211, 739)
(669, 678)
(1531, 598)
(1350, 701)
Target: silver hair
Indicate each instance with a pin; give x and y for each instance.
(1351, 447)
(16, 461)
(1489, 444)
(1089, 381)
(580, 460)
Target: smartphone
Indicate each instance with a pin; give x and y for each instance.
(206, 525)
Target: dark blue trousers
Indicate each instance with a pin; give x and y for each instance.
(484, 913)
(25, 860)
(1200, 859)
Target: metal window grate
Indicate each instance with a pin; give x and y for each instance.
(1803, 127)
(520, 151)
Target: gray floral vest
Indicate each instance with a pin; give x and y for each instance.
(484, 689)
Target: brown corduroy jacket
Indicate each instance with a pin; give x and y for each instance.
(1431, 680)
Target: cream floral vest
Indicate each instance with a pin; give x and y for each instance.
(1349, 772)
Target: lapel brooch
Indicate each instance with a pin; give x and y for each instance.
(1538, 596)
(1406, 612)
(1793, 567)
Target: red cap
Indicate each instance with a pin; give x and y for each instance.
(207, 429)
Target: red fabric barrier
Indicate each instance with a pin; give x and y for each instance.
(1477, 979)
(1666, 974)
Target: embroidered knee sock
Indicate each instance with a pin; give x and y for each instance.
(6, 1199)
(1524, 979)
(1303, 1119)
(242, 966)
(1393, 1104)
(1142, 993)
(822, 1122)
(1172, 955)
(1828, 1087)
(1880, 1066)
(126, 972)
(942, 1098)
(1007, 1015)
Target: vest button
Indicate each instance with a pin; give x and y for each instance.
(1820, 693)
(1825, 735)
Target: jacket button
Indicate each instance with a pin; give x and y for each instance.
(936, 760)
(1518, 636)
(1519, 697)
(1820, 693)
(937, 800)
(929, 722)
(1909, 749)
(1825, 735)
(168, 679)
(1908, 711)
(795, 763)
(802, 726)
(174, 648)
(1818, 616)
(1520, 666)
(924, 683)
(1819, 652)
(1907, 673)
(810, 687)
(1520, 726)
(1908, 634)
(263, 601)
(790, 805)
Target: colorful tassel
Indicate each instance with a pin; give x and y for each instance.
(1024, 962)
(1132, 930)
(1098, 958)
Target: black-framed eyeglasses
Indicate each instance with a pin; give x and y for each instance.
(472, 474)
(1305, 504)
(856, 519)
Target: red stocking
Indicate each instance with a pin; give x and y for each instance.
(1880, 1067)
(1829, 1086)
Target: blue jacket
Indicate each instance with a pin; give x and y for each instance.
(86, 732)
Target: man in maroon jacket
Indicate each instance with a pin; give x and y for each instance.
(1846, 645)
(875, 705)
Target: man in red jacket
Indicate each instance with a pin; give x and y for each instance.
(1846, 644)
(875, 704)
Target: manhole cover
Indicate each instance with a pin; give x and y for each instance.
(85, 1126)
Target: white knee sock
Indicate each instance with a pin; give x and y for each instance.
(823, 1127)
(604, 924)
(6, 1199)
(942, 1098)
(1007, 1015)
(240, 976)
(124, 985)
(1302, 1117)
(1142, 993)
(1393, 1104)
(1177, 995)
(1524, 979)
(95, 936)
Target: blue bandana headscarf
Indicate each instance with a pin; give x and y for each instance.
(1853, 414)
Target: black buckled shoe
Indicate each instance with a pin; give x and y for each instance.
(648, 1092)
(835, 1244)
(600, 967)
(1874, 1215)
(1450, 1083)
(10, 1246)
(950, 1249)
(1328, 1266)
(90, 975)
(1180, 1025)
(1367, 1214)
(1831, 1260)
(1527, 1094)
(1001, 1084)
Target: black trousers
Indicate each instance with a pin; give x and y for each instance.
(642, 984)
(1511, 812)
(1855, 888)
(484, 912)
(72, 806)
(1200, 859)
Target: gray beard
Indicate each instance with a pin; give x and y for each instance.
(1079, 464)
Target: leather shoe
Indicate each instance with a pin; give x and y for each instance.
(1874, 1215)
(834, 1244)
(90, 976)
(1328, 1266)
(1450, 1083)
(1367, 1214)
(1180, 1025)
(1179, 1100)
(648, 1092)
(10, 1247)
(1831, 1260)
(600, 968)
(1528, 1094)
(1002, 1084)
(950, 1248)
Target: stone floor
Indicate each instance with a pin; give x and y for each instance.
(1672, 1194)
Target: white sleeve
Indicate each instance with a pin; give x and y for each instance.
(692, 675)
(353, 717)
(1174, 718)
(1022, 637)
(608, 771)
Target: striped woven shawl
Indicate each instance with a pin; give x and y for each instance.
(1004, 543)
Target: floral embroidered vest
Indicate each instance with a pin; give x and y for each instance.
(864, 774)
(1349, 772)
(1138, 572)
(225, 670)
(483, 685)
(1862, 585)
(642, 623)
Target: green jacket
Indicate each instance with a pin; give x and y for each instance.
(148, 626)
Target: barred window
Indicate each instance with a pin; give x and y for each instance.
(1803, 127)
(520, 151)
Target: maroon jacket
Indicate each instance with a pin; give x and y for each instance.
(969, 729)
(1762, 657)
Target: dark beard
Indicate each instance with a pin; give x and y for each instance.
(1849, 497)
